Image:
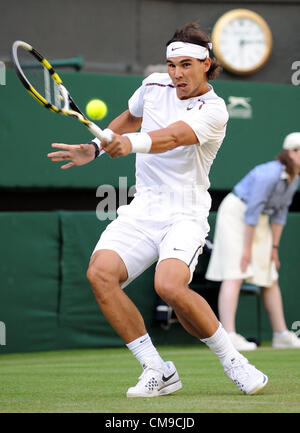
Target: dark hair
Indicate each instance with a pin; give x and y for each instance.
(286, 160)
(192, 34)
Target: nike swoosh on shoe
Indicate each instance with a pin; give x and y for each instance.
(165, 379)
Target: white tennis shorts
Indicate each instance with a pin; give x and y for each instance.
(141, 245)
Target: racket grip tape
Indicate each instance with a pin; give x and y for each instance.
(105, 134)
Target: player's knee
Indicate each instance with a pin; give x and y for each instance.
(168, 290)
(100, 278)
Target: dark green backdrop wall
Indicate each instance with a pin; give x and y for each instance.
(260, 118)
(46, 300)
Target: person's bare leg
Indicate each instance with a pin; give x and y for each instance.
(194, 313)
(228, 302)
(187, 323)
(192, 310)
(282, 337)
(106, 271)
(273, 304)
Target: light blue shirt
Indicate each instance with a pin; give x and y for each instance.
(265, 190)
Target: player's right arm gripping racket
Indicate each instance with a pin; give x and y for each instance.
(45, 86)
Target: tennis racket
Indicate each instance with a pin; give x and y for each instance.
(45, 86)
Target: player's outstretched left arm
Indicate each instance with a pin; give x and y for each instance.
(80, 154)
(76, 154)
(159, 141)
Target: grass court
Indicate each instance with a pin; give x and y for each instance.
(96, 381)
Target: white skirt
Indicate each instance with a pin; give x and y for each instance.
(226, 255)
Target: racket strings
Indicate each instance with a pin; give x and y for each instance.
(39, 78)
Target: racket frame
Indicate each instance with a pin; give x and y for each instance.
(70, 108)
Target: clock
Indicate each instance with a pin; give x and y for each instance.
(242, 41)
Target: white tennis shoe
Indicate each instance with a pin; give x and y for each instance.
(246, 377)
(156, 381)
(288, 341)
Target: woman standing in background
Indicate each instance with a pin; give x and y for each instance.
(249, 225)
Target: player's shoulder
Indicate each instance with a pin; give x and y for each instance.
(158, 79)
(215, 105)
(212, 98)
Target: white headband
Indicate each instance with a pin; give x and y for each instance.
(177, 49)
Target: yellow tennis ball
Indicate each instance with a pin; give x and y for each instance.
(96, 109)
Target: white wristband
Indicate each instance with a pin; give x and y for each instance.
(141, 142)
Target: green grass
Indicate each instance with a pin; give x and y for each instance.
(96, 381)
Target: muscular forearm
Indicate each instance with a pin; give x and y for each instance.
(177, 134)
(161, 140)
(125, 122)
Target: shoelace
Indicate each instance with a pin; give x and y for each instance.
(239, 372)
(146, 371)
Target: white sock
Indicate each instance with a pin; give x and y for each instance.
(221, 345)
(280, 334)
(144, 351)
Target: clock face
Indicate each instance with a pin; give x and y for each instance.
(242, 41)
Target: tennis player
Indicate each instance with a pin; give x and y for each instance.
(183, 124)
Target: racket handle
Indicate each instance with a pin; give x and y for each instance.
(99, 133)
